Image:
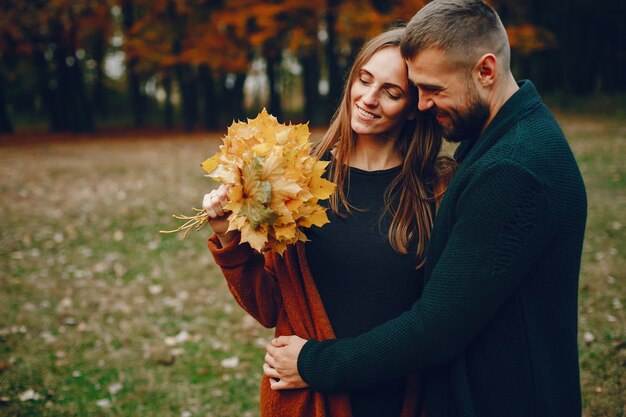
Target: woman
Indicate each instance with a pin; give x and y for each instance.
(363, 268)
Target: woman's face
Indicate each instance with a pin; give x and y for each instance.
(379, 96)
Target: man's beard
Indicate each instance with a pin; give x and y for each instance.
(470, 124)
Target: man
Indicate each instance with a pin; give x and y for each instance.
(494, 332)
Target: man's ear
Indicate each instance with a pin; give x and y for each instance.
(486, 69)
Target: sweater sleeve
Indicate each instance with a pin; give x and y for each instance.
(250, 278)
(501, 225)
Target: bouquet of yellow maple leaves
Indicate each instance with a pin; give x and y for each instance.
(274, 184)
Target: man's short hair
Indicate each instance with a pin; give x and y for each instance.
(463, 29)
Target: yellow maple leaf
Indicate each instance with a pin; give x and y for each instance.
(320, 187)
(209, 165)
(274, 184)
(317, 217)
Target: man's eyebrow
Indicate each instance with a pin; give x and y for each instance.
(429, 87)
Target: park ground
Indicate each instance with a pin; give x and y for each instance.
(100, 315)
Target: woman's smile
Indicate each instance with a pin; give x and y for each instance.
(365, 114)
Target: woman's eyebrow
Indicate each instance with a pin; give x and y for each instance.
(387, 84)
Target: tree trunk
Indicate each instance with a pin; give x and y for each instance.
(233, 97)
(99, 91)
(133, 78)
(168, 113)
(273, 63)
(187, 85)
(61, 93)
(5, 121)
(209, 97)
(44, 82)
(310, 80)
(335, 78)
(79, 109)
(184, 73)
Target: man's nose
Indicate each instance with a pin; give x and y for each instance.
(424, 103)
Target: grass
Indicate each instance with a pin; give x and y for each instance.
(599, 146)
(102, 316)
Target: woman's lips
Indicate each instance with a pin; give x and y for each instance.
(365, 114)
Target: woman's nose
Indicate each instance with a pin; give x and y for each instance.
(370, 97)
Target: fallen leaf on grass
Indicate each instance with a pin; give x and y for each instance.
(231, 362)
(162, 356)
(104, 403)
(115, 388)
(618, 344)
(180, 338)
(155, 289)
(29, 395)
(166, 359)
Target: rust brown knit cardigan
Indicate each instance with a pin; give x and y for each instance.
(279, 291)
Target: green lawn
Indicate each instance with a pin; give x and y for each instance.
(100, 315)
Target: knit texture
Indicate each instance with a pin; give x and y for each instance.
(279, 291)
(357, 289)
(495, 330)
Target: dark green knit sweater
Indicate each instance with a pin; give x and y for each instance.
(495, 330)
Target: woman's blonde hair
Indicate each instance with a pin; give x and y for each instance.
(413, 194)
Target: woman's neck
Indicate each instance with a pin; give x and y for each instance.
(373, 153)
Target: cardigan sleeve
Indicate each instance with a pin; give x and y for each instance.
(250, 277)
(501, 225)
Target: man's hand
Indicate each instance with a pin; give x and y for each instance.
(281, 363)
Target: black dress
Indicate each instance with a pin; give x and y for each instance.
(362, 281)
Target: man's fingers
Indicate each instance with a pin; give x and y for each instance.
(270, 372)
(280, 341)
(269, 359)
(277, 385)
(271, 349)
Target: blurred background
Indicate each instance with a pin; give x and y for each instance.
(81, 65)
(107, 109)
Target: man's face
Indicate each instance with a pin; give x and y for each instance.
(449, 93)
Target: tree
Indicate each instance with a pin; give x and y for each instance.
(52, 38)
(133, 76)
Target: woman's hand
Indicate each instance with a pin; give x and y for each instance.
(213, 203)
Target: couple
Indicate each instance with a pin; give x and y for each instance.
(477, 318)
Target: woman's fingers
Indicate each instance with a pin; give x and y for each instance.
(215, 201)
(209, 206)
